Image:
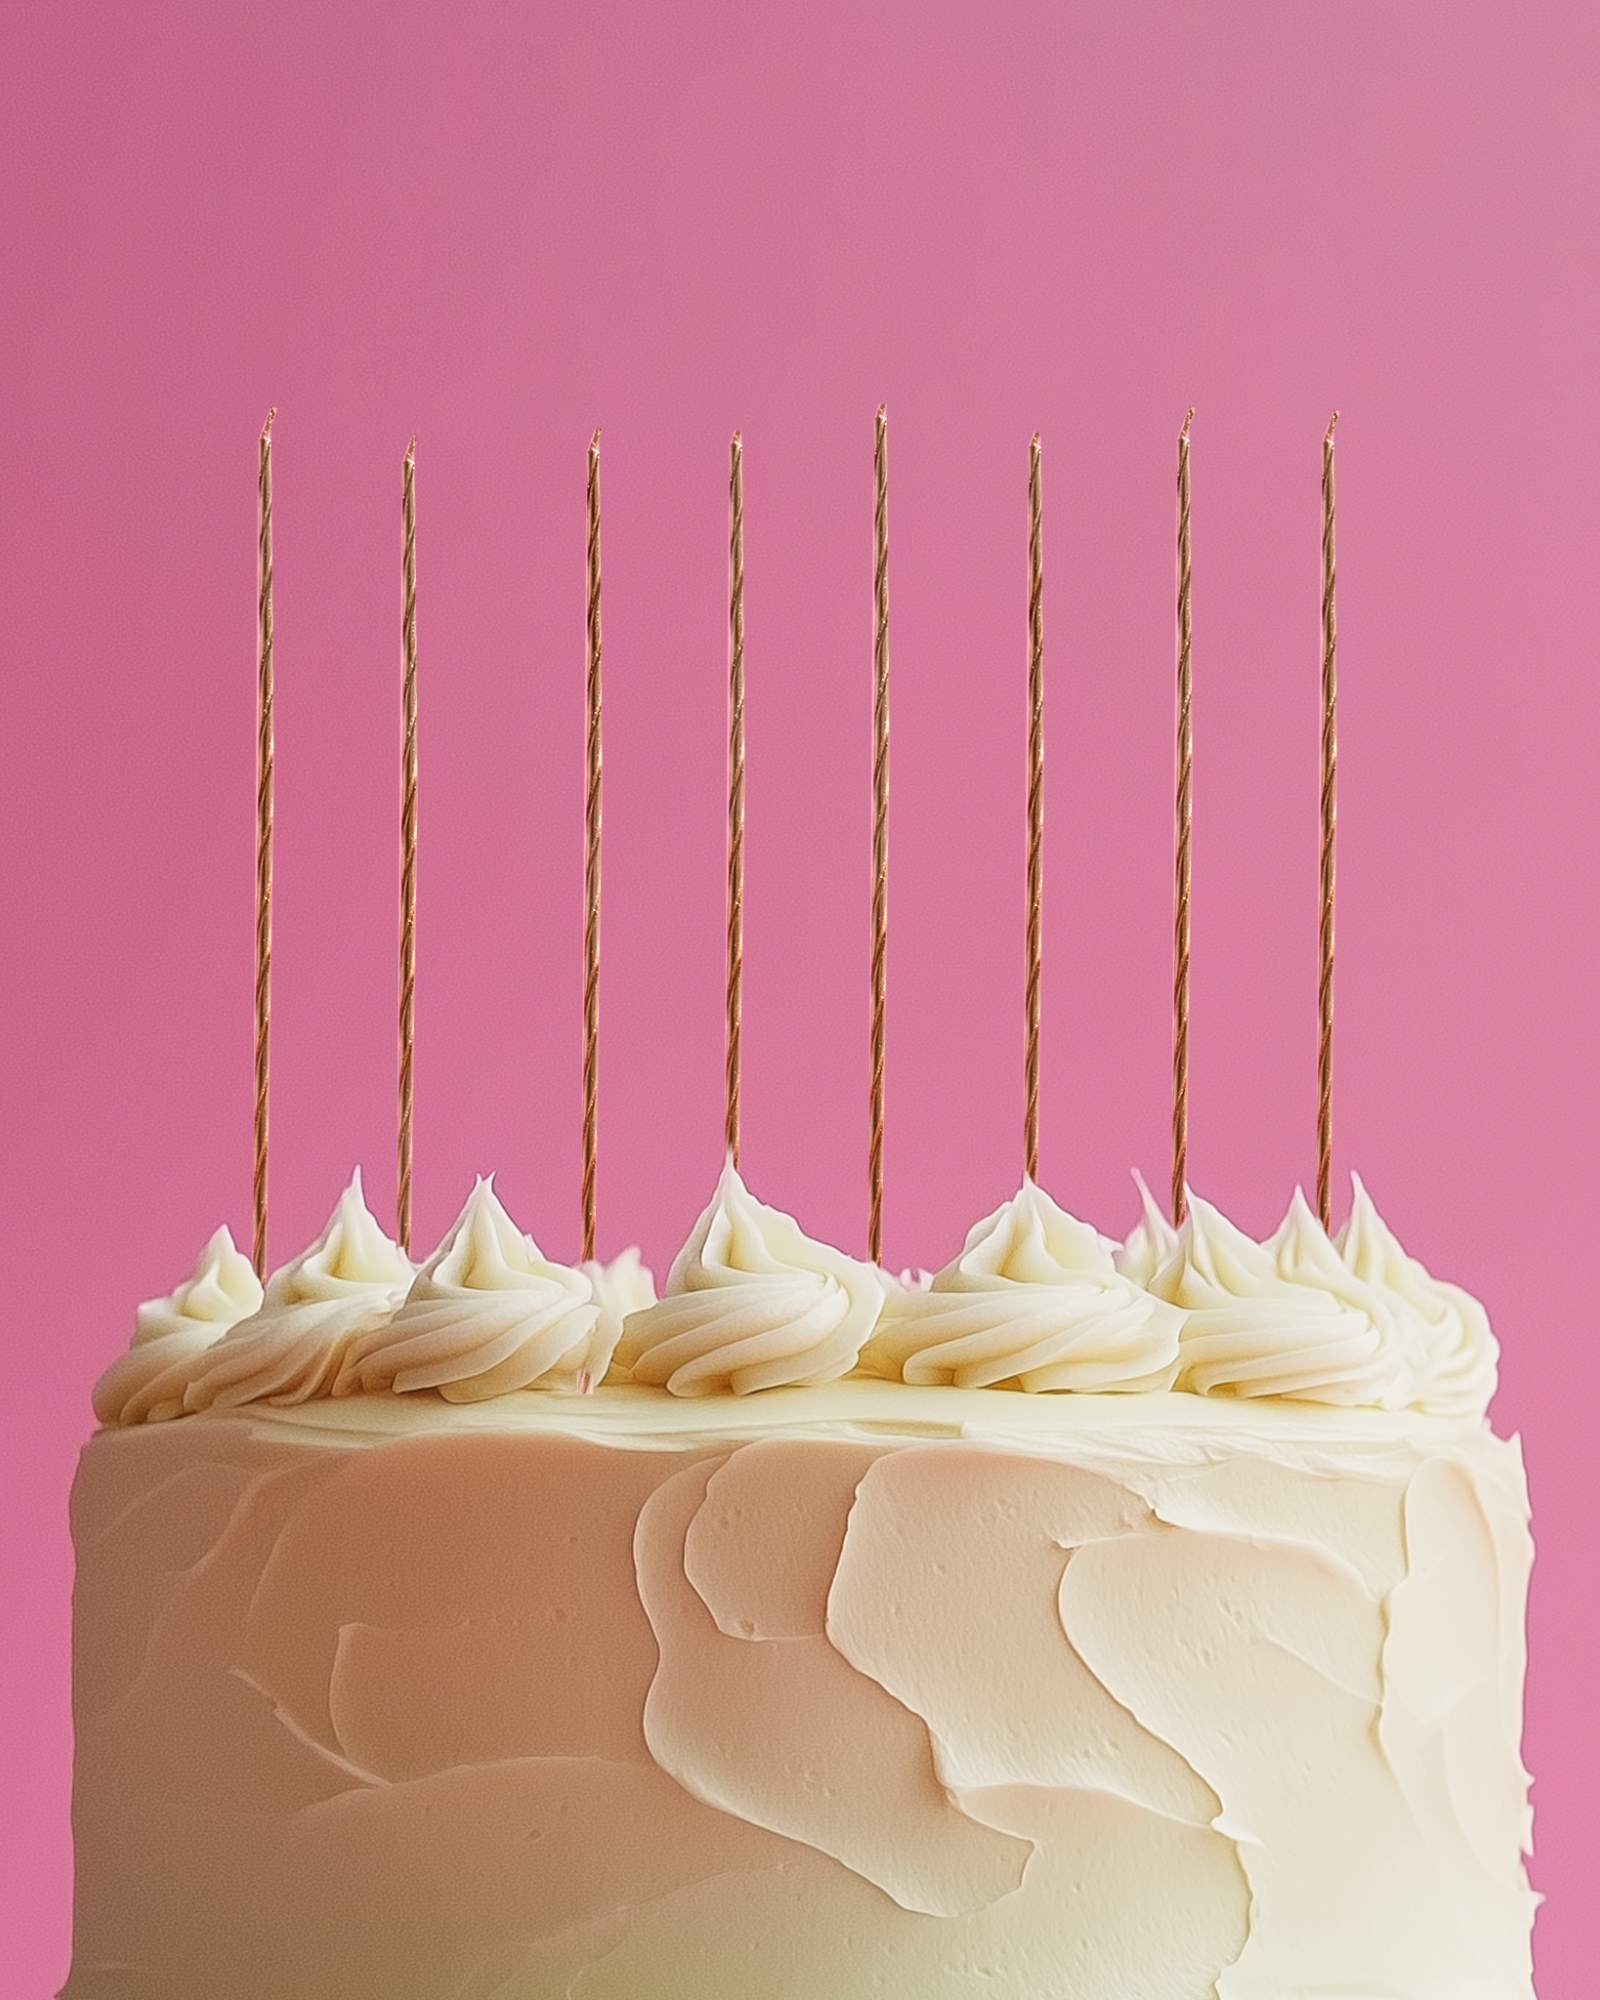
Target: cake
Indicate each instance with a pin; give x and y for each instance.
(1086, 1620)
(1121, 1620)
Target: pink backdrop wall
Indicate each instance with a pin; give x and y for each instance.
(500, 225)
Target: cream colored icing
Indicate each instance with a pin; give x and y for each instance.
(751, 1303)
(1150, 1243)
(1282, 1318)
(486, 1313)
(943, 1690)
(625, 1285)
(1456, 1355)
(351, 1279)
(147, 1384)
(1034, 1299)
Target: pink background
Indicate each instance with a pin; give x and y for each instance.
(501, 225)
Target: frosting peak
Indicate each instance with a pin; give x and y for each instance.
(752, 1303)
(1454, 1351)
(1287, 1317)
(350, 1280)
(147, 1384)
(486, 1314)
(1035, 1298)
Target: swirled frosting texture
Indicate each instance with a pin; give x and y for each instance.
(1034, 1300)
(1356, 1323)
(625, 1285)
(1151, 1241)
(1282, 1318)
(1455, 1354)
(751, 1303)
(351, 1280)
(486, 1314)
(147, 1384)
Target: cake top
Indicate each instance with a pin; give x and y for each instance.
(1036, 1302)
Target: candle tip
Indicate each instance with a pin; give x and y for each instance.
(738, 441)
(883, 415)
(266, 428)
(1328, 437)
(594, 443)
(1188, 420)
(1035, 444)
(411, 451)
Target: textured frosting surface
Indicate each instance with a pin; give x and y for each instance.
(1352, 1322)
(625, 1285)
(1445, 1328)
(858, 1688)
(751, 1303)
(350, 1280)
(487, 1313)
(1034, 1300)
(147, 1384)
(1281, 1318)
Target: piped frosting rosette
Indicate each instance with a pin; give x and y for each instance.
(351, 1280)
(752, 1303)
(1034, 1300)
(488, 1313)
(1456, 1353)
(146, 1385)
(1287, 1317)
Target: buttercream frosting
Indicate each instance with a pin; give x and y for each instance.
(627, 1694)
(487, 1313)
(147, 1384)
(751, 1302)
(1454, 1352)
(1034, 1300)
(625, 1285)
(1150, 1242)
(351, 1280)
(1282, 1318)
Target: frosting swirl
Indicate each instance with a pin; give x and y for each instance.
(625, 1285)
(146, 1385)
(751, 1303)
(1151, 1241)
(350, 1280)
(1456, 1354)
(1035, 1300)
(1287, 1317)
(486, 1314)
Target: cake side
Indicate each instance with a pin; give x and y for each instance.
(859, 1689)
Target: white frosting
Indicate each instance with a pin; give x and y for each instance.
(751, 1303)
(147, 1384)
(625, 1285)
(1455, 1353)
(1282, 1318)
(1354, 1321)
(1161, 1696)
(1035, 1300)
(1151, 1241)
(487, 1313)
(351, 1280)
